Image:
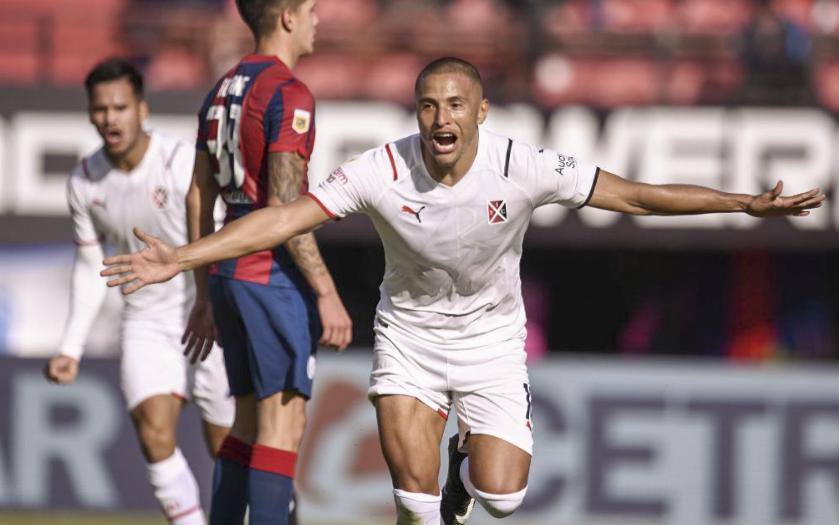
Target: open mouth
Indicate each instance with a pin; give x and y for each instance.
(113, 137)
(444, 142)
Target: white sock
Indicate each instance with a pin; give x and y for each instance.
(176, 490)
(413, 508)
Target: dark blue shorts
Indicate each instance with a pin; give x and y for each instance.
(269, 335)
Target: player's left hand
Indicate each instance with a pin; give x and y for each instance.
(336, 322)
(156, 263)
(200, 333)
(772, 204)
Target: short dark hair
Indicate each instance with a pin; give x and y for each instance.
(261, 15)
(113, 69)
(448, 65)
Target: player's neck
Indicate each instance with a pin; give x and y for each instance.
(280, 49)
(133, 157)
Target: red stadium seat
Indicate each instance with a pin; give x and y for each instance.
(713, 16)
(826, 84)
(636, 16)
(331, 76)
(602, 82)
(391, 77)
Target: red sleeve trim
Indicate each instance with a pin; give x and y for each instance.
(392, 162)
(322, 206)
(176, 517)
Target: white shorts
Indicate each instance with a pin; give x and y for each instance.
(488, 386)
(153, 363)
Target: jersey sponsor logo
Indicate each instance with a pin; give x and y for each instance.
(236, 197)
(99, 203)
(301, 121)
(563, 161)
(497, 212)
(338, 175)
(159, 196)
(410, 211)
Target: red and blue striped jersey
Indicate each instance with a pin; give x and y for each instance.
(256, 108)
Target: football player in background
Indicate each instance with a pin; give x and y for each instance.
(141, 177)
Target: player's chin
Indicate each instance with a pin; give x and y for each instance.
(115, 150)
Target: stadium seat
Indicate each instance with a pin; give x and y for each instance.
(391, 77)
(713, 16)
(331, 76)
(636, 16)
(826, 84)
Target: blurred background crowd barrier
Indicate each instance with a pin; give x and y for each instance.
(734, 94)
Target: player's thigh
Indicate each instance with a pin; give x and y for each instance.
(152, 362)
(493, 404)
(403, 366)
(232, 335)
(410, 432)
(282, 330)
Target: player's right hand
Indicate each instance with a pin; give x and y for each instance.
(200, 333)
(336, 322)
(61, 370)
(156, 263)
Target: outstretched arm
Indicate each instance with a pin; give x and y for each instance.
(256, 231)
(200, 332)
(87, 294)
(617, 194)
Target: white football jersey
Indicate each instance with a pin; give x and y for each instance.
(106, 203)
(452, 253)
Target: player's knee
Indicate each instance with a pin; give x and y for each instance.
(500, 505)
(416, 507)
(157, 441)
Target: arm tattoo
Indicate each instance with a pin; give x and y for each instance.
(285, 176)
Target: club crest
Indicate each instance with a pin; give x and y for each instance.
(497, 212)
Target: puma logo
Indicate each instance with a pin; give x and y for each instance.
(407, 209)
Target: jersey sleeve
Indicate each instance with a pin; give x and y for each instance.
(84, 231)
(180, 165)
(290, 119)
(350, 188)
(552, 177)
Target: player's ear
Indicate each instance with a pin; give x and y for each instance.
(483, 110)
(144, 110)
(287, 19)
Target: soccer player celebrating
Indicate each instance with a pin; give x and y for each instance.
(140, 177)
(451, 205)
(272, 307)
